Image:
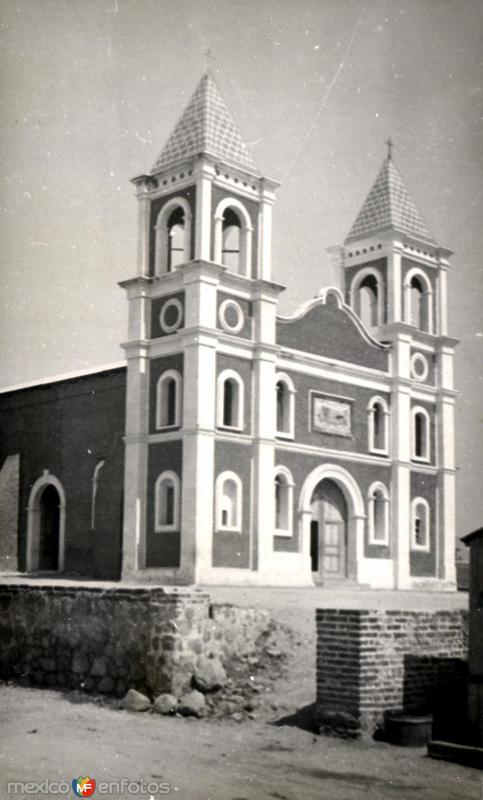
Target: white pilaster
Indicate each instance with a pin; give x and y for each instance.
(204, 174)
(135, 465)
(394, 284)
(198, 476)
(401, 453)
(264, 423)
(143, 236)
(442, 300)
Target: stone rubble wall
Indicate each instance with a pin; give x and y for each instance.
(373, 662)
(111, 639)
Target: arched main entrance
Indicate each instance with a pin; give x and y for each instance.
(328, 531)
(332, 519)
(46, 525)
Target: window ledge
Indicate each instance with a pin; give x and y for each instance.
(375, 451)
(285, 533)
(421, 459)
(420, 548)
(284, 435)
(378, 542)
(166, 529)
(230, 428)
(223, 529)
(162, 428)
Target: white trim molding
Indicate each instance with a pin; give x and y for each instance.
(426, 297)
(419, 358)
(95, 484)
(356, 514)
(34, 520)
(168, 476)
(234, 510)
(425, 455)
(355, 299)
(415, 545)
(224, 307)
(377, 493)
(288, 410)
(246, 230)
(172, 327)
(287, 483)
(377, 400)
(162, 411)
(239, 403)
(161, 239)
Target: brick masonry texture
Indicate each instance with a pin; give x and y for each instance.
(108, 640)
(370, 663)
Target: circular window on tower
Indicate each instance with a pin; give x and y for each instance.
(231, 316)
(419, 367)
(171, 316)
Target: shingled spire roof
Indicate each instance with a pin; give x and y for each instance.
(388, 205)
(206, 126)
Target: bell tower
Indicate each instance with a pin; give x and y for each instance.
(394, 275)
(201, 299)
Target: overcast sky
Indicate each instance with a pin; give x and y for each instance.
(91, 90)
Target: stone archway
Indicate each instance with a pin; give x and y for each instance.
(343, 514)
(46, 525)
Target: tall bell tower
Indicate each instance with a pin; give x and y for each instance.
(201, 302)
(394, 275)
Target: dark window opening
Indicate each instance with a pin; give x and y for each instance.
(176, 233)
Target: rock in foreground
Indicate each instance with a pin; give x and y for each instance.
(135, 701)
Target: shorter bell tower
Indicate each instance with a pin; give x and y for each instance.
(393, 274)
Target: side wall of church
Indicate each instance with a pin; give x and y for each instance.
(67, 428)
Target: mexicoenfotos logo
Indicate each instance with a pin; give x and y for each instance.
(84, 787)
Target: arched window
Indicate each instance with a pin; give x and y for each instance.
(228, 493)
(418, 301)
(168, 400)
(166, 502)
(421, 434)
(230, 252)
(378, 514)
(367, 297)
(230, 400)
(233, 236)
(378, 426)
(285, 406)
(173, 235)
(176, 224)
(283, 497)
(420, 522)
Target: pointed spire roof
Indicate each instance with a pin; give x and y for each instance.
(388, 205)
(206, 126)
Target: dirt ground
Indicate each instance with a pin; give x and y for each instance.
(55, 736)
(45, 734)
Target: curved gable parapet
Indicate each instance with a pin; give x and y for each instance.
(326, 326)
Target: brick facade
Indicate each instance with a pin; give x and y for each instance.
(370, 663)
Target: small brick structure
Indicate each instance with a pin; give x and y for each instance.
(373, 662)
(474, 541)
(110, 638)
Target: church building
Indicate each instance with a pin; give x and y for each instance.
(234, 445)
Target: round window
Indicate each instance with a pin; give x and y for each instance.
(419, 367)
(231, 316)
(171, 316)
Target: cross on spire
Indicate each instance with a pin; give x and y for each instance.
(390, 146)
